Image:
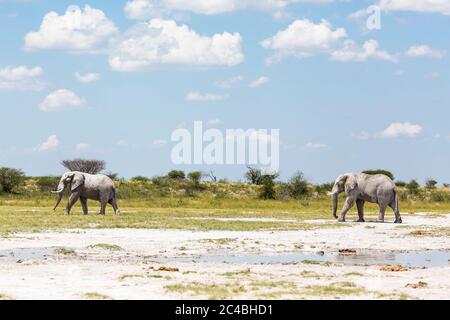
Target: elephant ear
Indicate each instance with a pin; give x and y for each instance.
(350, 183)
(77, 181)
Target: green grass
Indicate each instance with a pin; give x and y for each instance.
(212, 291)
(65, 251)
(105, 246)
(32, 212)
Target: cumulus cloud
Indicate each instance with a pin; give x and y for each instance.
(61, 100)
(369, 50)
(303, 38)
(398, 129)
(146, 9)
(87, 77)
(311, 145)
(164, 42)
(259, 82)
(428, 6)
(78, 30)
(21, 78)
(229, 83)
(51, 143)
(425, 51)
(197, 96)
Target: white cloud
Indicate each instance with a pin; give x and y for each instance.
(164, 42)
(81, 147)
(77, 30)
(51, 144)
(61, 100)
(428, 6)
(229, 83)
(146, 9)
(88, 77)
(21, 78)
(425, 51)
(302, 39)
(370, 50)
(401, 129)
(259, 82)
(196, 96)
(311, 145)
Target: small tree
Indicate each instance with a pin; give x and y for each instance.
(446, 185)
(195, 177)
(430, 184)
(140, 179)
(298, 186)
(177, 175)
(82, 165)
(413, 187)
(380, 171)
(10, 179)
(400, 183)
(47, 183)
(268, 186)
(254, 175)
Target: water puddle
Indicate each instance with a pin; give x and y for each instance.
(425, 259)
(26, 253)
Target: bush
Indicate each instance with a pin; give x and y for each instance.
(10, 179)
(48, 183)
(254, 175)
(298, 186)
(177, 175)
(380, 171)
(324, 188)
(195, 177)
(87, 166)
(400, 183)
(140, 179)
(438, 196)
(268, 186)
(413, 187)
(430, 184)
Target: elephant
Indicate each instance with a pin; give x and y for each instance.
(361, 187)
(86, 186)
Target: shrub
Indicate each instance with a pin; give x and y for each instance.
(48, 183)
(82, 165)
(380, 171)
(268, 186)
(438, 196)
(413, 187)
(195, 177)
(446, 185)
(177, 175)
(400, 183)
(10, 179)
(324, 188)
(298, 186)
(140, 179)
(254, 175)
(430, 184)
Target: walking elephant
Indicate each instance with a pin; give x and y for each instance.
(84, 186)
(361, 187)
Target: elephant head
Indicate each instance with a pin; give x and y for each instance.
(346, 182)
(74, 179)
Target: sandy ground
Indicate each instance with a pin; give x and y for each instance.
(131, 271)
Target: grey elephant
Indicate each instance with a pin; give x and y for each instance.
(86, 186)
(361, 187)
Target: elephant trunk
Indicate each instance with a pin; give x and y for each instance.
(334, 198)
(60, 192)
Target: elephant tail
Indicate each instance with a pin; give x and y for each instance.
(396, 200)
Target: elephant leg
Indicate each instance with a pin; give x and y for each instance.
(72, 199)
(383, 208)
(360, 205)
(113, 202)
(347, 206)
(394, 206)
(84, 205)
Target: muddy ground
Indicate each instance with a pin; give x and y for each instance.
(356, 261)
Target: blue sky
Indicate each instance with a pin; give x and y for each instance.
(345, 98)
